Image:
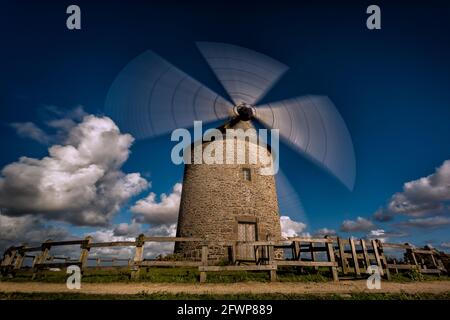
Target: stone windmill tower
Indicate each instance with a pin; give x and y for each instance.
(151, 97)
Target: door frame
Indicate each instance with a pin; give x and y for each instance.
(246, 220)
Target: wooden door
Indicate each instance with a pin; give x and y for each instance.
(246, 232)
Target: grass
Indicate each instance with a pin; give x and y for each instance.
(406, 277)
(191, 275)
(246, 296)
(177, 275)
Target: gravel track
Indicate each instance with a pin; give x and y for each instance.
(343, 287)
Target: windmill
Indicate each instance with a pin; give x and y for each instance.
(151, 97)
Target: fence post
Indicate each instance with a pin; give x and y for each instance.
(20, 256)
(342, 257)
(138, 256)
(205, 252)
(433, 260)
(8, 258)
(330, 255)
(313, 254)
(297, 250)
(41, 258)
(354, 255)
(377, 256)
(395, 263)
(234, 252)
(365, 254)
(273, 272)
(383, 260)
(85, 247)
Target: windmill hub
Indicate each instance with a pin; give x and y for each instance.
(245, 111)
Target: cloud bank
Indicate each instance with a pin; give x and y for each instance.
(79, 182)
(165, 212)
(422, 197)
(360, 224)
(291, 228)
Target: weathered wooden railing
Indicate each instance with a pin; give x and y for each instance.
(340, 256)
(425, 260)
(356, 256)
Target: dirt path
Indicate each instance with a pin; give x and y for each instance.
(342, 287)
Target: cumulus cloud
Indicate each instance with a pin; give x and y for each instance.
(128, 229)
(61, 126)
(425, 223)
(151, 249)
(79, 182)
(163, 230)
(291, 228)
(383, 235)
(27, 229)
(325, 232)
(164, 212)
(108, 235)
(421, 197)
(383, 215)
(360, 224)
(31, 131)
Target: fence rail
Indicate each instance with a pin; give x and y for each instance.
(340, 256)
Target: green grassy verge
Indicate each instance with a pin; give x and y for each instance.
(191, 275)
(185, 296)
(177, 275)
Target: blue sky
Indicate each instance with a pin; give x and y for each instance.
(391, 85)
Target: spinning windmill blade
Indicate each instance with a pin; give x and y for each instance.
(313, 126)
(289, 201)
(246, 75)
(151, 97)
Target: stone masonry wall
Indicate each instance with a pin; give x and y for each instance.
(216, 197)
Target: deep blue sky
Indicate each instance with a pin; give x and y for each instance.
(391, 85)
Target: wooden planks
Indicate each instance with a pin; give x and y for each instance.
(359, 253)
(157, 263)
(172, 239)
(238, 268)
(354, 256)
(112, 244)
(204, 263)
(307, 263)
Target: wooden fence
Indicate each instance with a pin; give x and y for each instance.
(342, 257)
(425, 260)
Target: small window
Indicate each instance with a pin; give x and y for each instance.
(247, 174)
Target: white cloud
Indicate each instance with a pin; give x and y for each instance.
(421, 197)
(151, 249)
(128, 229)
(383, 235)
(325, 232)
(163, 230)
(79, 182)
(31, 131)
(165, 212)
(27, 229)
(61, 126)
(379, 234)
(426, 223)
(291, 228)
(445, 245)
(107, 235)
(360, 224)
